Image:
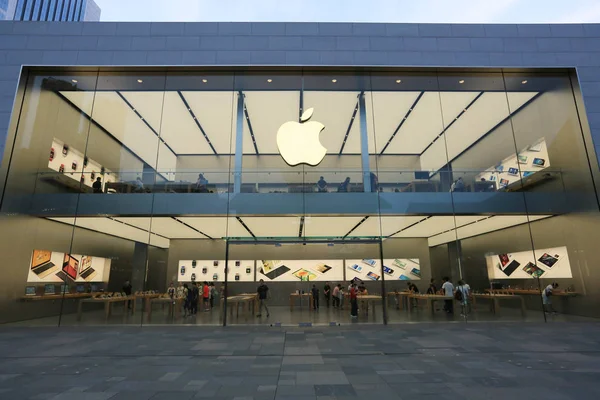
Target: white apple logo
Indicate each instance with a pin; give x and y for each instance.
(298, 142)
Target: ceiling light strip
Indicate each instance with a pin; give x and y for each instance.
(187, 106)
(410, 110)
(137, 227)
(192, 228)
(351, 122)
(454, 120)
(461, 226)
(250, 127)
(245, 226)
(301, 227)
(355, 226)
(409, 226)
(145, 122)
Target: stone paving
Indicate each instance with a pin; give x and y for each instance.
(412, 361)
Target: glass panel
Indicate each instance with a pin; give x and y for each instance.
(41, 198)
(491, 239)
(113, 239)
(301, 283)
(559, 194)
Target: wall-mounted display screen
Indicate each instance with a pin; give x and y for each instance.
(52, 266)
(544, 263)
(405, 269)
(300, 270)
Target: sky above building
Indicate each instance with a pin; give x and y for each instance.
(451, 11)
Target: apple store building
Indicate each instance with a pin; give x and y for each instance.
(275, 195)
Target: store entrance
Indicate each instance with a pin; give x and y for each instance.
(293, 283)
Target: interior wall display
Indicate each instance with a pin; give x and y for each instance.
(51, 266)
(240, 271)
(404, 269)
(74, 165)
(201, 271)
(530, 160)
(544, 263)
(300, 270)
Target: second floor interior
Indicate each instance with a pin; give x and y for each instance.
(139, 142)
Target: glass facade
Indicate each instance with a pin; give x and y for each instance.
(54, 10)
(128, 189)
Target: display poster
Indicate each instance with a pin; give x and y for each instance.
(404, 269)
(300, 270)
(51, 266)
(544, 263)
(240, 271)
(201, 271)
(530, 160)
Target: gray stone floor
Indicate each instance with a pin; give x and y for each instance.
(513, 361)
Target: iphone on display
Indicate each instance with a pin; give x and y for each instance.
(399, 263)
(388, 270)
(539, 162)
(373, 276)
(404, 278)
(549, 260)
(369, 262)
(356, 268)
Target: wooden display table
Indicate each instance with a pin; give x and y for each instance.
(146, 297)
(496, 298)
(58, 296)
(531, 292)
(400, 297)
(430, 300)
(175, 305)
(107, 301)
(310, 299)
(255, 301)
(367, 299)
(236, 301)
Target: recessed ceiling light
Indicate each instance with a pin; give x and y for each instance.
(398, 80)
(140, 81)
(524, 82)
(269, 80)
(461, 81)
(74, 80)
(334, 80)
(204, 80)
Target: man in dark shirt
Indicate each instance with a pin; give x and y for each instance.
(315, 297)
(322, 185)
(262, 291)
(127, 290)
(195, 298)
(97, 186)
(327, 293)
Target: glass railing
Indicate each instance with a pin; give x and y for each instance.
(310, 181)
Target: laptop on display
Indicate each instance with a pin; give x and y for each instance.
(86, 271)
(41, 264)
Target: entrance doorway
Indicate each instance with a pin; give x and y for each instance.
(300, 279)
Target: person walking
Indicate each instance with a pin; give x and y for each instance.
(353, 301)
(336, 296)
(263, 291)
(341, 296)
(448, 290)
(327, 293)
(187, 305)
(462, 296)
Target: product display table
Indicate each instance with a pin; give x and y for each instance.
(430, 300)
(531, 292)
(146, 297)
(236, 301)
(365, 300)
(254, 302)
(108, 302)
(401, 298)
(58, 296)
(309, 298)
(175, 305)
(496, 298)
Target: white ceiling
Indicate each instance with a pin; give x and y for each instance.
(437, 229)
(167, 114)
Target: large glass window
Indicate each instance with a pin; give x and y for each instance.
(166, 196)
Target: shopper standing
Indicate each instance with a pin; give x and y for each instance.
(547, 298)
(263, 291)
(127, 288)
(187, 295)
(336, 296)
(448, 289)
(195, 298)
(462, 295)
(315, 297)
(327, 293)
(353, 301)
(206, 296)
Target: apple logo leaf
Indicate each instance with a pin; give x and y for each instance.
(306, 115)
